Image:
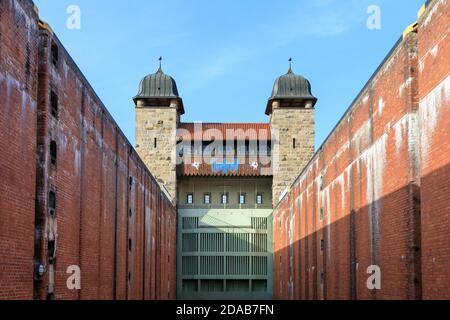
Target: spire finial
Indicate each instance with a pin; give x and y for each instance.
(160, 64)
(290, 65)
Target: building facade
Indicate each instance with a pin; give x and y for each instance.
(224, 179)
(223, 210)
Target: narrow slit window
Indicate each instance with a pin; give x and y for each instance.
(322, 245)
(52, 203)
(51, 251)
(207, 198)
(224, 198)
(55, 54)
(294, 143)
(53, 153)
(131, 183)
(155, 143)
(54, 104)
(259, 199)
(190, 198)
(242, 198)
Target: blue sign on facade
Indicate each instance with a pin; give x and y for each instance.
(225, 167)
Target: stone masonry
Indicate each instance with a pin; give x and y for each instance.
(293, 147)
(156, 142)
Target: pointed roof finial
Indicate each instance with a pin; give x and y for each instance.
(290, 65)
(160, 64)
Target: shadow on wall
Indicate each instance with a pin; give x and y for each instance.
(331, 262)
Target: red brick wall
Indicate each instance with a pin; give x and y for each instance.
(381, 183)
(107, 202)
(18, 112)
(103, 191)
(434, 117)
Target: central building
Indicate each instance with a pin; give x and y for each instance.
(225, 180)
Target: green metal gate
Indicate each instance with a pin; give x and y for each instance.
(224, 254)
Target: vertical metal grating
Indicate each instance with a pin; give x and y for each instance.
(190, 223)
(259, 242)
(225, 262)
(259, 223)
(190, 266)
(211, 242)
(190, 242)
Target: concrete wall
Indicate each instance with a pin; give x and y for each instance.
(232, 186)
(377, 192)
(111, 218)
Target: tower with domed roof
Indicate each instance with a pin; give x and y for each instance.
(225, 205)
(291, 112)
(158, 111)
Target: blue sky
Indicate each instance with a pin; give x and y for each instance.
(225, 55)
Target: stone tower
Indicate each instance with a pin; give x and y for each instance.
(158, 111)
(291, 111)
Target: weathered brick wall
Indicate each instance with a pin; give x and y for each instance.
(18, 112)
(377, 193)
(434, 118)
(111, 217)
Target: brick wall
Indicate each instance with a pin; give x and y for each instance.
(434, 119)
(18, 112)
(376, 192)
(111, 218)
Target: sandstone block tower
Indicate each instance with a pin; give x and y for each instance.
(158, 111)
(291, 111)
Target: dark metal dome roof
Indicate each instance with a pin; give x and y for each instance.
(157, 85)
(293, 87)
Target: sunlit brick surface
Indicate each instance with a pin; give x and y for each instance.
(377, 191)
